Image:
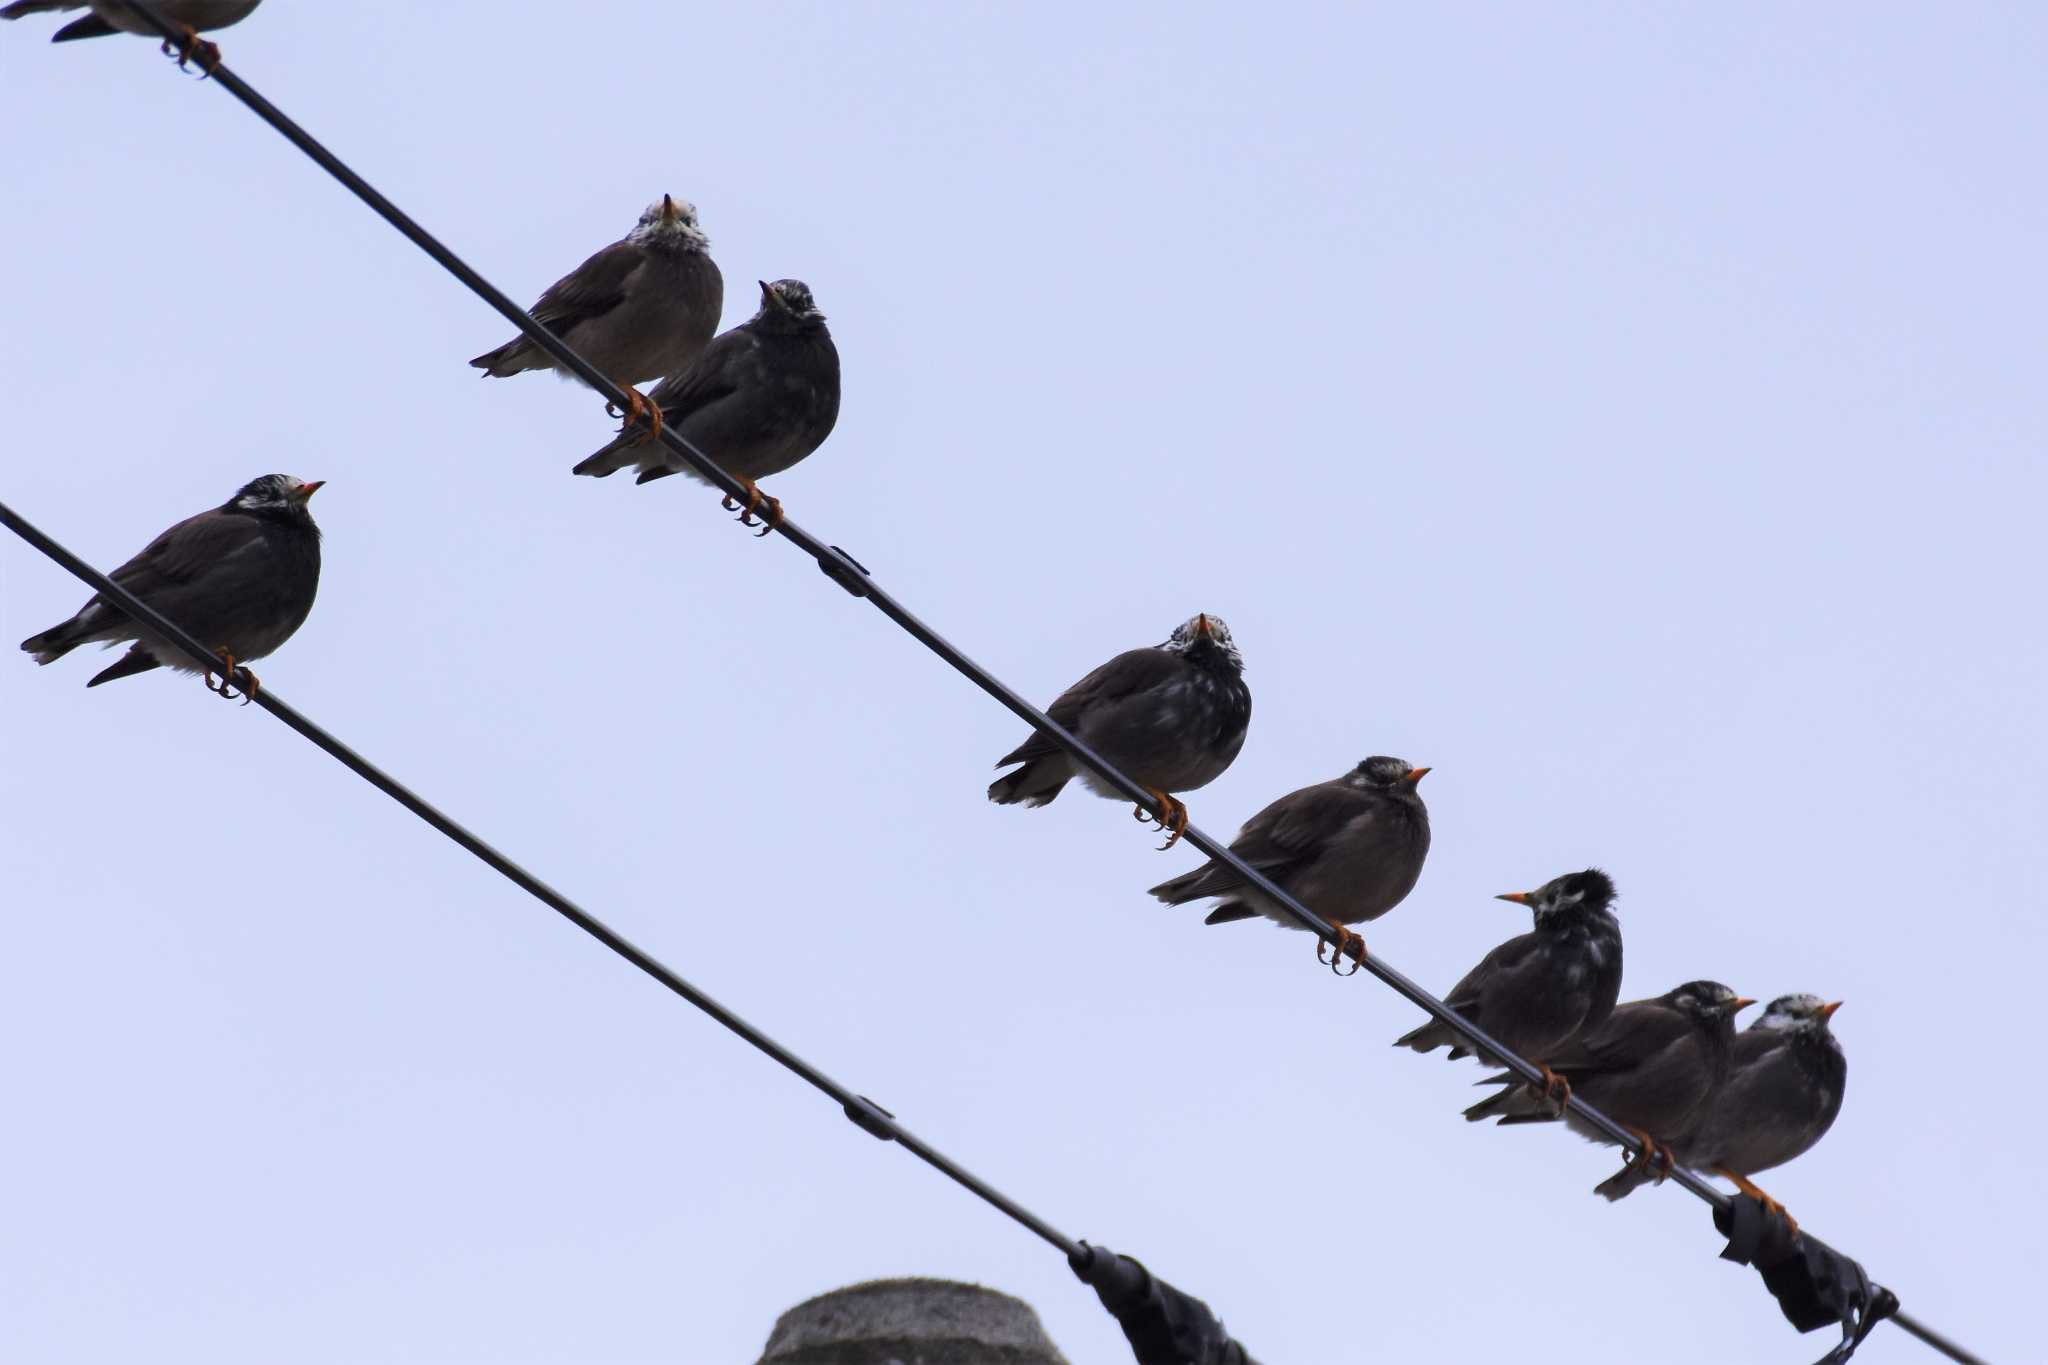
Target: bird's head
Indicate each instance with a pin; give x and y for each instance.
(1380, 773)
(670, 222)
(1575, 893)
(276, 493)
(1204, 634)
(1797, 1014)
(787, 304)
(1708, 1002)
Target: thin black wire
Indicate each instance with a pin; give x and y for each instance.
(863, 1111)
(851, 575)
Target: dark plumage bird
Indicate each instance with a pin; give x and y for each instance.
(1538, 991)
(762, 397)
(240, 577)
(1349, 849)
(196, 16)
(1784, 1089)
(642, 308)
(1651, 1067)
(1172, 716)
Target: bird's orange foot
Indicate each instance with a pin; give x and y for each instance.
(1347, 943)
(1661, 1158)
(756, 500)
(226, 688)
(1556, 1088)
(1171, 815)
(1750, 1188)
(192, 48)
(640, 408)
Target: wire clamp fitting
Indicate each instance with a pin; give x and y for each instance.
(871, 1118)
(843, 569)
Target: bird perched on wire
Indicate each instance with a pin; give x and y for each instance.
(1349, 849)
(1538, 991)
(1784, 1089)
(1651, 1067)
(240, 577)
(762, 397)
(642, 308)
(194, 16)
(1170, 716)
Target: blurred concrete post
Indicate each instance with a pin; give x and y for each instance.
(910, 1322)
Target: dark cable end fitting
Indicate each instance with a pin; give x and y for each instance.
(1814, 1284)
(1163, 1325)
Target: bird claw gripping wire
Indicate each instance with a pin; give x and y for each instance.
(1169, 813)
(193, 46)
(756, 500)
(1660, 1158)
(226, 689)
(1347, 942)
(639, 408)
(1556, 1089)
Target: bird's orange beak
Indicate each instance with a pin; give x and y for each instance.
(1827, 1012)
(1742, 1002)
(767, 294)
(1202, 625)
(1518, 897)
(669, 211)
(307, 490)
(1416, 775)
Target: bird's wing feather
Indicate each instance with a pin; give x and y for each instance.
(590, 290)
(1300, 823)
(1497, 968)
(1632, 1033)
(1292, 830)
(194, 546)
(1130, 672)
(723, 368)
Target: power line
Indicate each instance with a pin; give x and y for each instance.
(863, 1111)
(843, 569)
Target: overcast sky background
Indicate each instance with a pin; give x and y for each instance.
(1637, 417)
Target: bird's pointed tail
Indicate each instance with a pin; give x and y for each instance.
(1034, 784)
(607, 461)
(514, 357)
(1624, 1181)
(138, 659)
(54, 643)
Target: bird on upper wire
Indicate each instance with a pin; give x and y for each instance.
(1784, 1088)
(1170, 716)
(1538, 991)
(240, 577)
(1651, 1068)
(761, 397)
(1349, 849)
(639, 310)
(194, 16)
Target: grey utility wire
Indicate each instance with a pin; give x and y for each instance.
(850, 574)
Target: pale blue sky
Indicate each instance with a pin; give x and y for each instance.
(1636, 416)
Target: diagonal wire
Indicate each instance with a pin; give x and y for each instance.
(851, 575)
(861, 1110)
